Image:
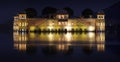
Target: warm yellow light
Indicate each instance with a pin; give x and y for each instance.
(23, 24)
(32, 28)
(61, 47)
(16, 28)
(50, 27)
(100, 37)
(20, 24)
(26, 24)
(91, 28)
(91, 34)
(59, 16)
(68, 37)
(59, 23)
(32, 35)
(15, 36)
(100, 47)
(69, 28)
(51, 37)
(51, 24)
(26, 39)
(22, 47)
(69, 24)
(72, 23)
(20, 39)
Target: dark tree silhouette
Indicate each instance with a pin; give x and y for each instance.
(49, 12)
(87, 13)
(69, 10)
(31, 12)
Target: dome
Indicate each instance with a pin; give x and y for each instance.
(101, 13)
(62, 12)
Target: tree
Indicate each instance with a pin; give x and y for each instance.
(48, 12)
(87, 13)
(31, 12)
(69, 10)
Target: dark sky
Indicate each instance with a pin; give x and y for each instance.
(11, 7)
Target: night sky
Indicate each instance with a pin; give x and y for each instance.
(12, 7)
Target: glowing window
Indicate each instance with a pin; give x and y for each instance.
(19, 24)
(62, 16)
(22, 24)
(25, 24)
(32, 28)
(59, 23)
(53, 23)
(66, 23)
(59, 16)
(72, 23)
(62, 23)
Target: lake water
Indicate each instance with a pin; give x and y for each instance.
(60, 47)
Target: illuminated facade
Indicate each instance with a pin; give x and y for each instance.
(61, 22)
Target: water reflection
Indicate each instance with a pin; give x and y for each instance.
(51, 43)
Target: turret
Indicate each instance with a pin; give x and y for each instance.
(100, 15)
(15, 23)
(20, 23)
(22, 16)
(62, 14)
(100, 23)
(16, 18)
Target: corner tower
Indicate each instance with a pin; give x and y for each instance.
(100, 15)
(20, 22)
(62, 15)
(100, 23)
(22, 16)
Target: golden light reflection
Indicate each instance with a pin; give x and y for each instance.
(62, 47)
(22, 47)
(100, 47)
(91, 36)
(68, 37)
(60, 40)
(100, 37)
(50, 37)
(32, 35)
(20, 40)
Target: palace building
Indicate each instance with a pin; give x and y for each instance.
(60, 22)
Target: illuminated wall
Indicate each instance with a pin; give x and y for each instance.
(69, 25)
(21, 23)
